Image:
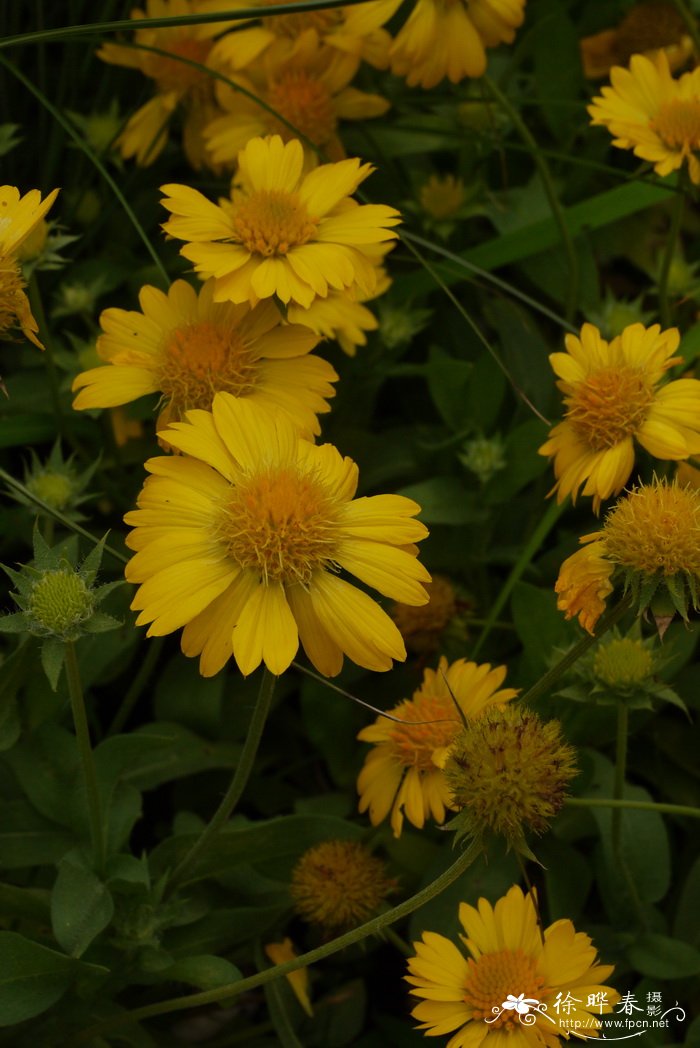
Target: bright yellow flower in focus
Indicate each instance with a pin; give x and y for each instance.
(645, 28)
(650, 540)
(282, 232)
(279, 953)
(309, 88)
(19, 216)
(188, 348)
(403, 772)
(449, 38)
(242, 538)
(506, 959)
(176, 83)
(648, 111)
(613, 397)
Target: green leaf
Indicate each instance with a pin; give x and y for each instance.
(540, 626)
(444, 500)
(485, 395)
(10, 726)
(81, 906)
(53, 652)
(223, 929)
(206, 972)
(27, 839)
(24, 430)
(661, 957)
(184, 697)
(686, 925)
(32, 978)
(448, 381)
(557, 66)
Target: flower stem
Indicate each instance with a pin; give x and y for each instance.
(137, 685)
(550, 192)
(237, 785)
(551, 516)
(609, 802)
(620, 769)
(82, 732)
(669, 252)
(544, 684)
(228, 992)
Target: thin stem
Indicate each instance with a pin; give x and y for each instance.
(620, 770)
(227, 993)
(550, 192)
(396, 940)
(82, 733)
(544, 684)
(137, 685)
(237, 785)
(610, 802)
(551, 516)
(669, 252)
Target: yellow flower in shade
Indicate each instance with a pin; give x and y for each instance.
(421, 628)
(282, 232)
(19, 216)
(507, 774)
(242, 537)
(449, 38)
(442, 196)
(338, 885)
(613, 397)
(309, 89)
(353, 31)
(652, 114)
(645, 28)
(176, 83)
(188, 348)
(507, 957)
(403, 773)
(650, 539)
(278, 953)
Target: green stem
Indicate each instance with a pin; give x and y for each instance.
(82, 732)
(669, 252)
(137, 685)
(550, 192)
(237, 785)
(690, 23)
(658, 806)
(551, 516)
(620, 770)
(544, 684)
(401, 945)
(227, 993)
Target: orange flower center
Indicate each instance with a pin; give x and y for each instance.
(493, 977)
(202, 359)
(609, 405)
(656, 528)
(270, 222)
(281, 523)
(678, 124)
(171, 75)
(306, 103)
(294, 25)
(414, 744)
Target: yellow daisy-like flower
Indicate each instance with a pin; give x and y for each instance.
(645, 28)
(309, 88)
(282, 232)
(403, 772)
(473, 997)
(449, 38)
(651, 540)
(176, 83)
(651, 113)
(613, 397)
(242, 537)
(19, 216)
(188, 348)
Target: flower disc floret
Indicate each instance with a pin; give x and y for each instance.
(623, 662)
(339, 884)
(656, 528)
(59, 601)
(282, 232)
(242, 539)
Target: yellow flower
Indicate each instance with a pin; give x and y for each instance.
(309, 88)
(176, 83)
(651, 540)
(652, 114)
(448, 38)
(187, 347)
(19, 216)
(613, 397)
(645, 28)
(507, 958)
(242, 537)
(442, 196)
(403, 772)
(279, 952)
(282, 232)
(338, 885)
